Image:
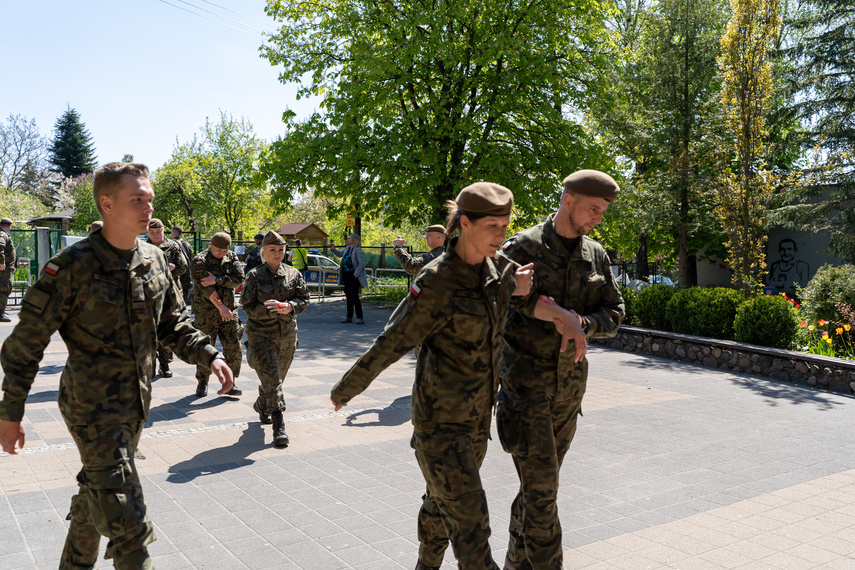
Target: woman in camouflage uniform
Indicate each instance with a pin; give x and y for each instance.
(456, 309)
(273, 294)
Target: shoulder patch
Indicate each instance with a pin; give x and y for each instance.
(415, 290)
(51, 268)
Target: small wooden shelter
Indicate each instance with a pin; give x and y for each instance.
(308, 233)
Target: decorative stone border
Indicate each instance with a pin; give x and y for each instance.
(823, 372)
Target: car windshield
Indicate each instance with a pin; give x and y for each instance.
(328, 263)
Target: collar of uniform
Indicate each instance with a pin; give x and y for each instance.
(211, 257)
(555, 247)
(113, 262)
(280, 271)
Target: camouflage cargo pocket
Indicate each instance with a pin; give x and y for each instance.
(5, 286)
(113, 505)
(514, 428)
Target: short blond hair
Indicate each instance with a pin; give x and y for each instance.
(109, 177)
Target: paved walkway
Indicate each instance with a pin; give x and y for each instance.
(673, 466)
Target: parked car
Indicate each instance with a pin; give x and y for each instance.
(316, 265)
(662, 280)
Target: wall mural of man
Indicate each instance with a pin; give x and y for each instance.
(788, 271)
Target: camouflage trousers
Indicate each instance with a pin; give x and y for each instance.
(454, 508)
(5, 290)
(109, 501)
(230, 334)
(271, 358)
(537, 431)
(164, 354)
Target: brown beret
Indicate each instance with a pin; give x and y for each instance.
(178, 229)
(436, 228)
(273, 238)
(485, 198)
(155, 223)
(6, 222)
(96, 225)
(221, 240)
(592, 183)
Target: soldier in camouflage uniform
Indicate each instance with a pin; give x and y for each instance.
(186, 280)
(177, 267)
(435, 239)
(7, 266)
(216, 274)
(456, 309)
(253, 258)
(273, 295)
(110, 298)
(543, 384)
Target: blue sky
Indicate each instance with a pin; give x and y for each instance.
(140, 72)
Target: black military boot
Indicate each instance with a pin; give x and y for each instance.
(510, 564)
(421, 566)
(235, 391)
(202, 389)
(165, 372)
(259, 406)
(280, 438)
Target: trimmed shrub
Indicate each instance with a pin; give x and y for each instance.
(768, 320)
(652, 307)
(717, 315)
(685, 309)
(829, 285)
(630, 303)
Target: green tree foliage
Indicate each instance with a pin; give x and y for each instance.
(79, 189)
(71, 150)
(826, 292)
(745, 182)
(822, 198)
(211, 183)
(23, 159)
(423, 98)
(660, 116)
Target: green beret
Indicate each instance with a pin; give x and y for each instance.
(485, 198)
(592, 183)
(221, 240)
(439, 228)
(272, 238)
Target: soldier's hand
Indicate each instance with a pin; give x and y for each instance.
(225, 313)
(579, 337)
(337, 406)
(524, 277)
(223, 374)
(209, 280)
(398, 241)
(172, 267)
(11, 433)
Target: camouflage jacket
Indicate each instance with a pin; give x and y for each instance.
(229, 277)
(175, 256)
(580, 280)
(253, 259)
(7, 251)
(413, 265)
(262, 285)
(111, 315)
(457, 317)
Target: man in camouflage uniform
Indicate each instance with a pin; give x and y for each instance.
(456, 310)
(7, 266)
(542, 385)
(110, 298)
(273, 295)
(177, 267)
(186, 280)
(435, 239)
(216, 274)
(253, 258)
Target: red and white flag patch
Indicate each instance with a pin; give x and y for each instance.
(415, 290)
(51, 268)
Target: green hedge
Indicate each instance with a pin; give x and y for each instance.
(769, 320)
(828, 286)
(630, 303)
(652, 307)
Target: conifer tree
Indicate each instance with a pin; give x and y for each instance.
(71, 150)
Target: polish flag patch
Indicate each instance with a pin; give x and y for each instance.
(415, 290)
(51, 269)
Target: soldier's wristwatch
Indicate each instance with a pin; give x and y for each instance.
(584, 325)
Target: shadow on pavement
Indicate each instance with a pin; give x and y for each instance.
(395, 414)
(221, 459)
